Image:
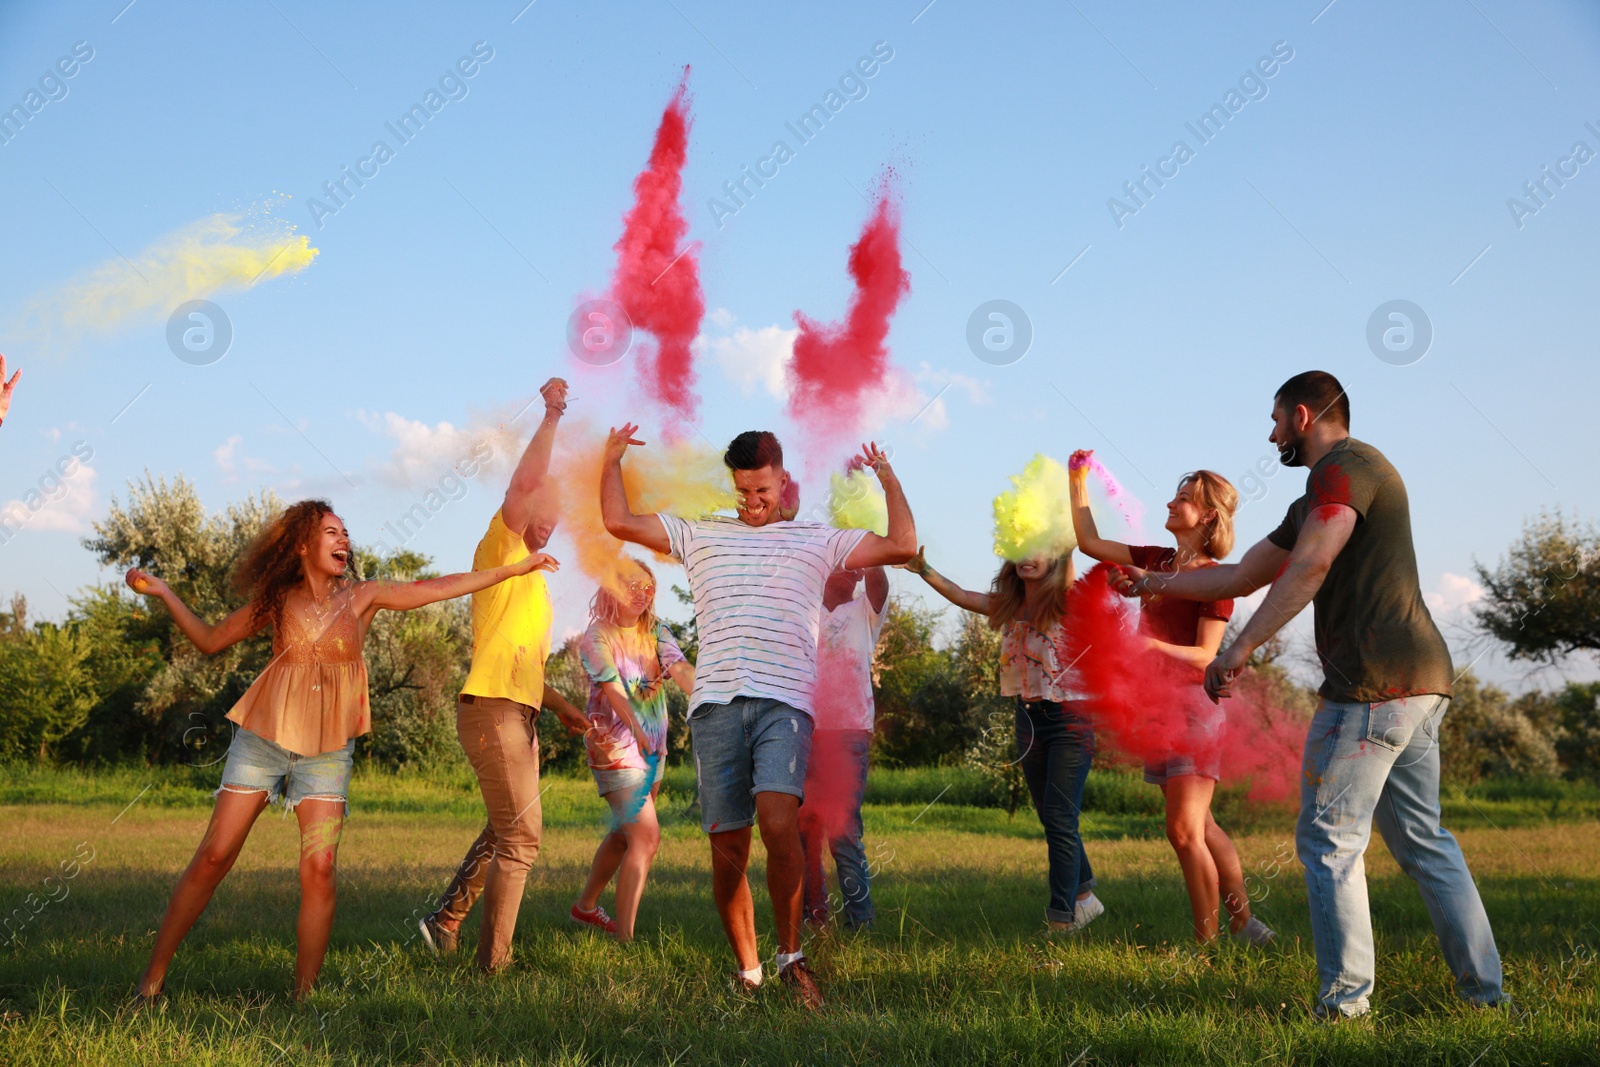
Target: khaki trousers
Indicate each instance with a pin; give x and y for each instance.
(499, 739)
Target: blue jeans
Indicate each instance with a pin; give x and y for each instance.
(1367, 763)
(1054, 750)
(841, 755)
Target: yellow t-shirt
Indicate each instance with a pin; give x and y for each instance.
(510, 624)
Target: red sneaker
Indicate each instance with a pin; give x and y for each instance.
(596, 918)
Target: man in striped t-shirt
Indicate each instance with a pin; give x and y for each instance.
(757, 582)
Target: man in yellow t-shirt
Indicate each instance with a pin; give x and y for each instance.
(500, 702)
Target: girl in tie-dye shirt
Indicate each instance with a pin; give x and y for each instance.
(629, 655)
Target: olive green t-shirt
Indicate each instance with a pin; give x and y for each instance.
(1375, 636)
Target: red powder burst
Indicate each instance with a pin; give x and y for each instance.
(657, 280)
(838, 366)
(1147, 705)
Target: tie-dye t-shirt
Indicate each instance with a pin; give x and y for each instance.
(639, 662)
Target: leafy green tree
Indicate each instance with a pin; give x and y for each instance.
(46, 691)
(921, 707)
(1485, 735)
(1543, 600)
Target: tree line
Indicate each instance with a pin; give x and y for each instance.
(115, 682)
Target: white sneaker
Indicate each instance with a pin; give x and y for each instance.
(1255, 932)
(1087, 911)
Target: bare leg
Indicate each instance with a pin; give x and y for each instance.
(730, 855)
(1230, 874)
(643, 838)
(778, 816)
(321, 823)
(1188, 810)
(607, 858)
(231, 821)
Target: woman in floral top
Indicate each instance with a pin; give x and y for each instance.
(629, 655)
(1055, 743)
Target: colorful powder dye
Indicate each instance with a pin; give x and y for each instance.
(657, 278)
(1034, 517)
(856, 502)
(679, 479)
(1124, 501)
(635, 804)
(213, 255)
(837, 367)
(1147, 705)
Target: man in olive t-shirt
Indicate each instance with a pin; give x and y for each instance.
(1372, 750)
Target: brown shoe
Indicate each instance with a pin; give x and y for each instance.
(798, 976)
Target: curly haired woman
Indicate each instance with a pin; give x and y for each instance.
(299, 720)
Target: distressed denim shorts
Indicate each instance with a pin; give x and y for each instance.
(747, 746)
(256, 764)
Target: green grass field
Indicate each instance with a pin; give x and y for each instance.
(957, 971)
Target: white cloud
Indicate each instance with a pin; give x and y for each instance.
(423, 454)
(229, 462)
(1453, 595)
(751, 358)
(74, 504)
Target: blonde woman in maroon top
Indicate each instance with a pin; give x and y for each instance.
(1200, 519)
(297, 723)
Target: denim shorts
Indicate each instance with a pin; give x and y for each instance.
(609, 780)
(747, 746)
(256, 764)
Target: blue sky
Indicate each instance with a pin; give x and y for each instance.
(1375, 164)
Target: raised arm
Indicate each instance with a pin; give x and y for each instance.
(207, 638)
(1322, 537)
(981, 603)
(7, 388)
(618, 516)
(1090, 543)
(517, 510)
(899, 545)
(404, 596)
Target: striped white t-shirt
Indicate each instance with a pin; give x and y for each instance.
(757, 604)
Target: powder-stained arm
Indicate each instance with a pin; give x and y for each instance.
(900, 543)
(569, 714)
(1090, 543)
(615, 511)
(1208, 638)
(980, 603)
(1226, 581)
(1322, 537)
(520, 504)
(207, 638)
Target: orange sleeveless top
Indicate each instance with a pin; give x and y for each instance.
(312, 698)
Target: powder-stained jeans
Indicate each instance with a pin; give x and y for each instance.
(1368, 763)
(499, 738)
(838, 768)
(1055, 747)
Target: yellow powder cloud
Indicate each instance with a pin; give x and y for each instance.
(207, 257)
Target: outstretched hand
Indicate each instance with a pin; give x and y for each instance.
(7, 388)
(917, 564)
(141, 582)
(1223, 670)
(874, 457)
(617, 441)
(536, 561)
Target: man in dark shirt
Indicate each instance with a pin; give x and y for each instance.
(1372, 751)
